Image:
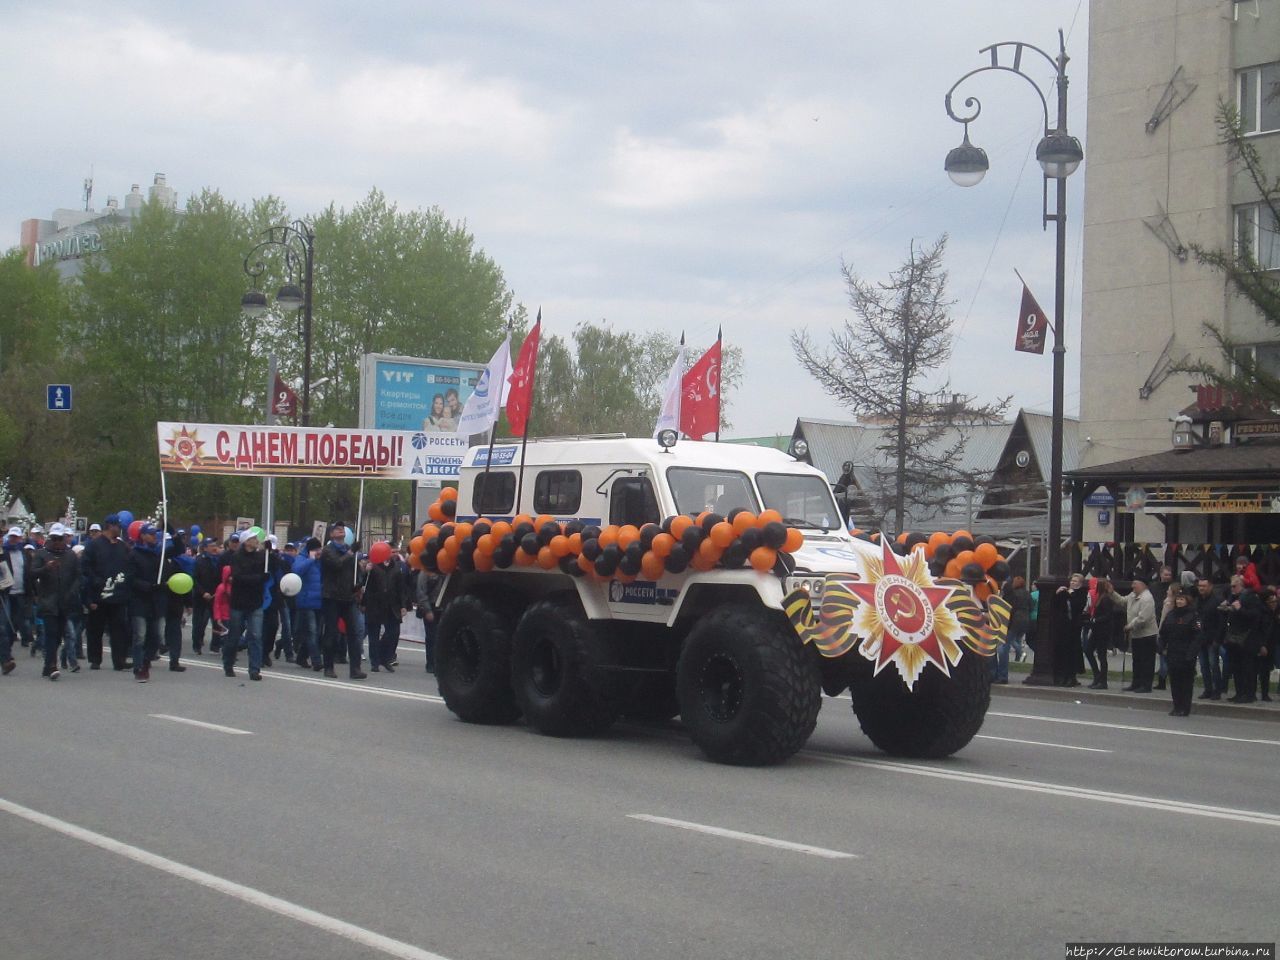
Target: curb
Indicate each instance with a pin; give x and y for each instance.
(1158, 701)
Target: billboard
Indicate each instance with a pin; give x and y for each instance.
(409, 393)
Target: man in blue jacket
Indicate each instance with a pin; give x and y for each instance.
(307, 604)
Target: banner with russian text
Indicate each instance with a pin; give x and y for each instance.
(335, 452)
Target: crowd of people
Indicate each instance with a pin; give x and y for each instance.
(311, 604)
(1171, 628)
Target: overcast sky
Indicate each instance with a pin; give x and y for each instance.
(671, 166)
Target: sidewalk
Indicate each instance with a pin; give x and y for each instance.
(1158, 700)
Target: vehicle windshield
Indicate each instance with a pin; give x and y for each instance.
(716, 490)
(803, 499)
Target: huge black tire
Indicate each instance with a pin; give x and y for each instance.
(749, 692)
(554, 671)
(473, 659)
(940, 716)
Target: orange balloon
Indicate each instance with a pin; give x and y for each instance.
(651, 565)
(680, 524)
(449, 493)
(794, 541)
(953, 569)
(627, 535)
(938, 538)
(546, 559)
(446, 562)
(762, 558)
(722, 534)
(702, 516)
(608, 536)
(525, 559)
(486, 545)
(414, 562)
(986, 554)
(768, 516)
(521, 518)
(982, 591)
(575, 543)
(500, 529)
(559, 546)
(965, 557)
(902, 537)
(542, 520)
(416, 545)
(585, 565)
(452, 546)
(701, 563)
(709, 551)
(429, 530)
(483, 561)
(961, 533)
(743, 522)
(662, 545)
(462, 530)
(435, 513)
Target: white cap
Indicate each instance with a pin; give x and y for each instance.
(78, 548)
(95, 526)
(28, 546)
(14, 532)
(37, 529)
(58, 530)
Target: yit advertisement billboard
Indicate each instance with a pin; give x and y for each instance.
(409, 393)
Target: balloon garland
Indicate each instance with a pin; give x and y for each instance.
(707, 541)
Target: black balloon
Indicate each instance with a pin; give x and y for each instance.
(972, 573)
(710, 520)
(522, 530)
(666, 524)
(751, 538)
(1000, 570)
(446, 532)
(503, 557)
(449, 508)
(785, 564)
(629, 565)
(647, 533)
(590, 532)
(943, 553)
(774, 534)
(572, 527)
(465, 562)
(634, 551)
(591, 548)
(547, 532)
(734, 556)
(691, 538)
(914, 538)
(480, 528)
(732, 514)
(529, 544)
(961, 544)
(570, 566)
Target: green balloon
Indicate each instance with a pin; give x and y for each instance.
(253, 532)
(181, 583)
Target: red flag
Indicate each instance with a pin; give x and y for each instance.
(284, 402)
(700, 402)
(1032, 324)
(520, 400)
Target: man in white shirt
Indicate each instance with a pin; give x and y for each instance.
(1142, 629)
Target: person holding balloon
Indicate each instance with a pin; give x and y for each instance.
(178, 597)
(386, 600)
(147, 601)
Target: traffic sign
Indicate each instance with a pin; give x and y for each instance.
(59, 396)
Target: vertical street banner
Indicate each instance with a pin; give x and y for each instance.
(284, 402)
(334, 452)
(1032, 324)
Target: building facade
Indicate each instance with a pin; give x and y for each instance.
(1160, 181)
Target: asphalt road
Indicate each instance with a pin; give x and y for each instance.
(362, 820)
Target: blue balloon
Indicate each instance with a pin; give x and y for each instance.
(126, 518)
(351, 536)
(195, 530)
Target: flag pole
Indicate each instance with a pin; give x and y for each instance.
(355, 568)
(719, 379)
(493, 432)
(164, 526)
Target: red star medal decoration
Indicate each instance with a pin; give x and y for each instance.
(903, 617)
(185, 448)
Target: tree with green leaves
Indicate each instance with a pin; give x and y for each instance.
(1238, 370)
(882, 366)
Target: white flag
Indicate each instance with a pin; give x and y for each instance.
(669, 416)
(485, 402)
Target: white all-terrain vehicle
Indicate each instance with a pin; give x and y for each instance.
(712, 581)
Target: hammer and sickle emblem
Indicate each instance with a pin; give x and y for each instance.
(904, 603)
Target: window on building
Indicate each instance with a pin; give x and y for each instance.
(1258, 234)
(632, 501)
(557, 492)
(1258, 98)
(494, 494)
(1265, 357)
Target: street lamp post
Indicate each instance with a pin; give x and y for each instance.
(298, 241)
(1059, 155)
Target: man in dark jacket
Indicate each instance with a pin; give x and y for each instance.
(55, 571)
(107, 593)
(248, 591)
(1207, 603)
(338, 596)
(148, 569)
(386, 600)
(1243, 635)
(207, 576)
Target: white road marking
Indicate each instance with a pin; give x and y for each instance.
(747, 837)
(1122, 726)
(1060, 790)
(257, 898)
(1041, 743)
(200, 723)
(332, 684)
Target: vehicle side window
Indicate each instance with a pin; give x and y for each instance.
(557, 492)
(494, 493)
(632, 501)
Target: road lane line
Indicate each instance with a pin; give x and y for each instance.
(334, 684)
(1042, 743)
(1122, 726)
(238, 891)
(1060, 790)
(747, 837)
(200, 723)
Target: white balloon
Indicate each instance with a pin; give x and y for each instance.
(290, 584)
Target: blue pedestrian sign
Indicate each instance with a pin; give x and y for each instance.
(59, 396)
